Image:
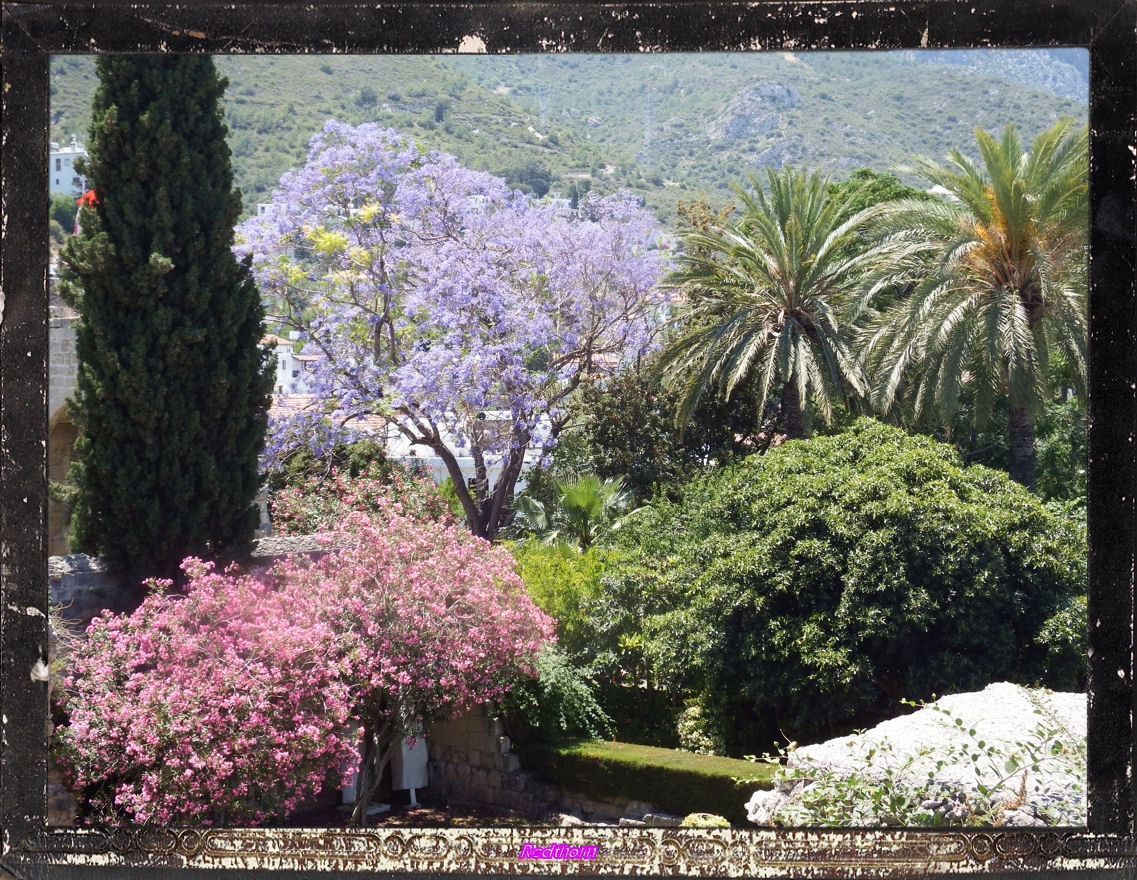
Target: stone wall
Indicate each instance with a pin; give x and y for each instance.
(472, 763)
(81, 587)
(63, 363)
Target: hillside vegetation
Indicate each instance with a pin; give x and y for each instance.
(672, 127)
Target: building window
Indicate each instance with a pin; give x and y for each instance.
(58, 164)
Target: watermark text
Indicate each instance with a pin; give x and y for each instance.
(557, 851)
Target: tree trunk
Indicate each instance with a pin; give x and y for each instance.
(376, 753)
(791, 412)
(1021, 442)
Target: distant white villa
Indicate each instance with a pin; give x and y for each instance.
(291, 368)
(64, 179)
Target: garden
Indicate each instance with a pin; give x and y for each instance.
(800, 471)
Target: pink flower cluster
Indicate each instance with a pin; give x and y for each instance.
(241, 696)
(318, 503)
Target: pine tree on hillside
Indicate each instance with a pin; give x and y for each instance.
(172, 393)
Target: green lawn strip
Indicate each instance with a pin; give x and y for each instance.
(675, 781)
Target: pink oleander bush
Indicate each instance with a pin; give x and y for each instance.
(318, 503)
(241, 695)
(218, 701)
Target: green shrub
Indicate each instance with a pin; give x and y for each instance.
(699, 730)
(1063, 639)
(562, 581)
(804, 588)
(671, 780)
(704, 820)
(559, 702)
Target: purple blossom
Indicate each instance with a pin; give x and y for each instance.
(433, 294)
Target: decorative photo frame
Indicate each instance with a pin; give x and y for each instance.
(34, 31)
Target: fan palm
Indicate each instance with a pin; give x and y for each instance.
(586, 508)
(997, 278)
(764, 300)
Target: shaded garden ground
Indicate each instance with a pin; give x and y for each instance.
(434, 813)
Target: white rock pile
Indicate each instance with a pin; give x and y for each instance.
(976, 733)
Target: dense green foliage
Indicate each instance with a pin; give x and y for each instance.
(562, 582)
(679, 782)
(558, 702)
(628, 425)
(866, 187)
(1063, 639)
(173, 384)
(61, 210)
(814, 585)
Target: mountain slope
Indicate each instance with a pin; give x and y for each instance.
(670, 126)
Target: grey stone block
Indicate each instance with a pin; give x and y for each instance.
(662, 820)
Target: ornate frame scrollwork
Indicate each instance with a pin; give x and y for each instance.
(33, 31)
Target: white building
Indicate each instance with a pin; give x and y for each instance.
(64, 178)
(291, 368)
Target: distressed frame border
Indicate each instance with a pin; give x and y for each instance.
(32, 31)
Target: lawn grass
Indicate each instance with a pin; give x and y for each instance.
(672, 780)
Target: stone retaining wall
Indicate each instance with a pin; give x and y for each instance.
(472, 763)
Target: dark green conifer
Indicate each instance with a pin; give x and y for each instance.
(172, 393)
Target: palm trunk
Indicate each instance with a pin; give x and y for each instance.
(1021, 442)
(791, 412)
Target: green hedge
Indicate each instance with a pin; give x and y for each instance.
(675, 781)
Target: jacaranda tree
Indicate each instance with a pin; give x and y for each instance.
(439, 298)
(241, 695)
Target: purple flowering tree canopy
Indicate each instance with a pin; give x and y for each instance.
(460, 310)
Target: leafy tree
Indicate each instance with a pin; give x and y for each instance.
(559, 702)
(999, 284)
(812, 586)
(562, 582)
(531, 177)
(62, 210)
(629, 424)
(764, 299)
(62, 213)
(462, 311)
(173, 384)
(866, 188)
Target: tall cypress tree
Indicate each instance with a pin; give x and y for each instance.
(172, 394)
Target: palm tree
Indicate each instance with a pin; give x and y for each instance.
(997, 278)
(587, 507)
(765, 296)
